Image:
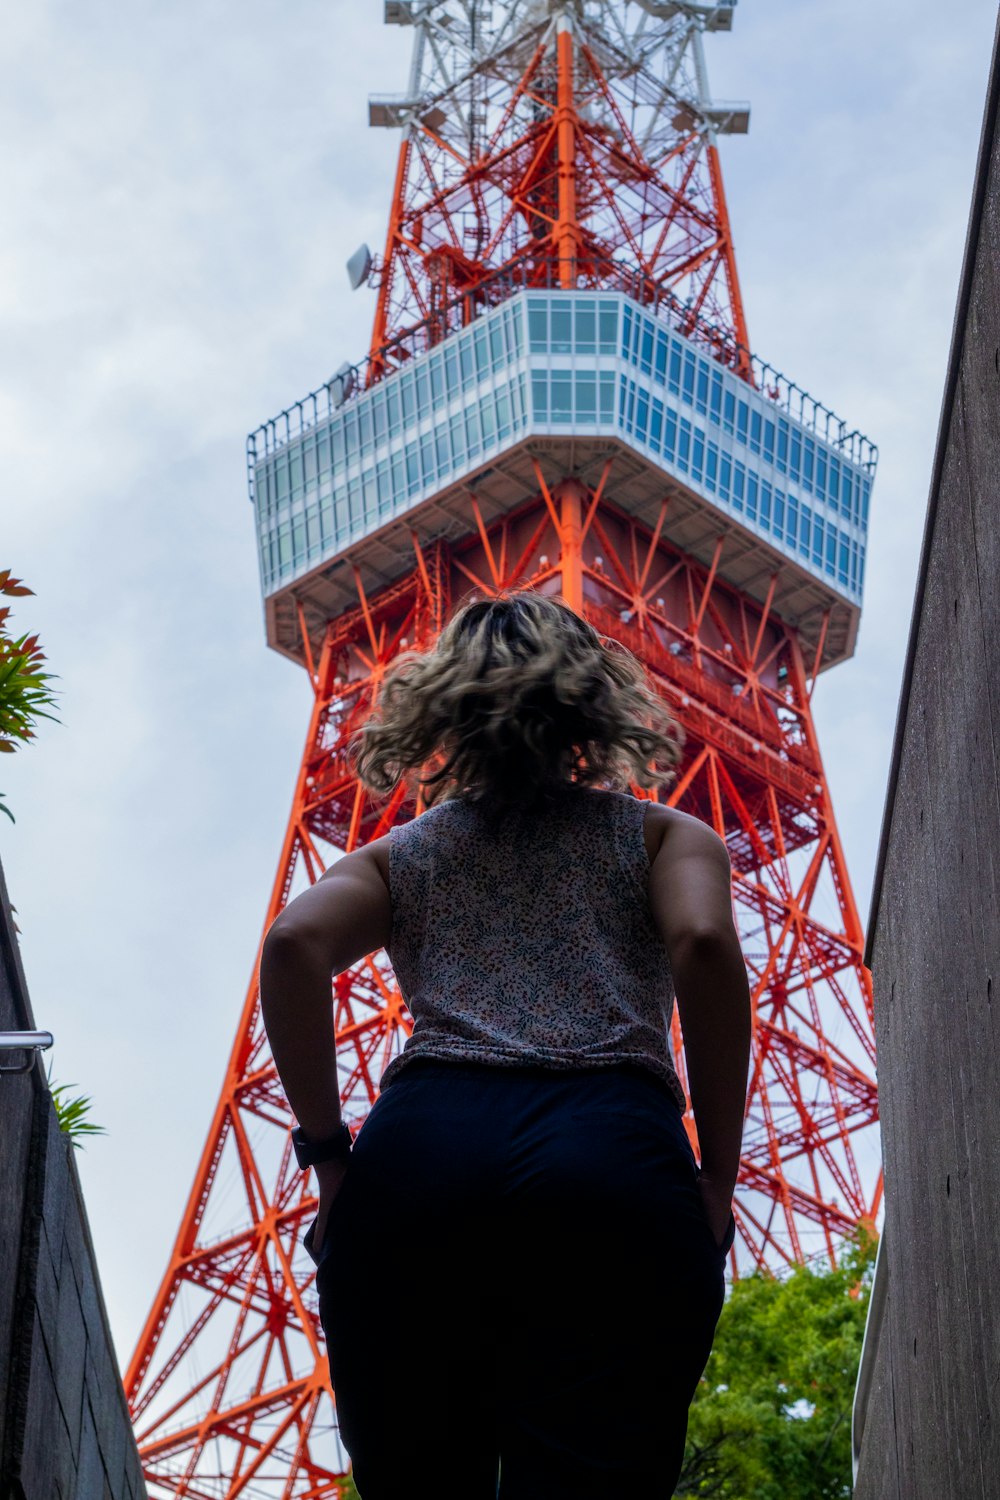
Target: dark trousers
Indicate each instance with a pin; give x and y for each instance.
(519, 1286)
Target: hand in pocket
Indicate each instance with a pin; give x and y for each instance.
(717, 1200)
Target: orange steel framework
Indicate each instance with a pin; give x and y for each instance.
(229, 1386)
(568, 199)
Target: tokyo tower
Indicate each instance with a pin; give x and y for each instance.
(559, 392)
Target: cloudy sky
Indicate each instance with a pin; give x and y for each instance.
(182, 185)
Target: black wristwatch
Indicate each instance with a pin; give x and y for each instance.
(308, 1153)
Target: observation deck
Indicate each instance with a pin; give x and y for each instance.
(569, 379)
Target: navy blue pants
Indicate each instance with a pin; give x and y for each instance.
(519, 1286)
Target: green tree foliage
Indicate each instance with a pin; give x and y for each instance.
(24, 692)
(771, 1418)
(72, 1111)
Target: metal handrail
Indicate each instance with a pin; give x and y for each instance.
(869, 1350)
(23, 1041)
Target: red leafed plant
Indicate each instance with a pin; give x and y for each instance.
(24, 692)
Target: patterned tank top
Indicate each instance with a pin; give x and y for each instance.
(534, 945)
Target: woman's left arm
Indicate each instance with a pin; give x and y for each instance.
(344, 916)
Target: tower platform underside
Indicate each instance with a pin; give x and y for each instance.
(567, 384)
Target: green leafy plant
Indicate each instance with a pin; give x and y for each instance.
(771, 1416)
(24, 692)
(72, 1111)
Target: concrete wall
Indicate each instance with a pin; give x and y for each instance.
(64, 1426)
(931, 1426)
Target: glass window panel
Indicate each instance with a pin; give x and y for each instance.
(606, 388)
(586, 398)
(608, 327)
(538, 324)
(497, 349)
(712, 467)
(487, 416)
(309, 460)
(684, 445)
(739, 480)
(725, 475)
(728, 411)
(646, 351)
(698, 453)
(656, 426)
(670, 437)
(660, 356)
(585, 314)
(562, 328)
(742, 420)
(629, 406)
(295, 468)
(456, 431)
(540, 394)
(779, 514)
(675, 369)
(792, 522)
(769, 442)
(715, 398)
(642, 416)
(755, 426)
(752, 495)
(765, 504)
(687, 377)
(701, 389)
(503, 413)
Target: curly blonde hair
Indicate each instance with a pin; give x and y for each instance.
(521, 697)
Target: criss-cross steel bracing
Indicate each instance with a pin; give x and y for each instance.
(558, 394)
(555, 145)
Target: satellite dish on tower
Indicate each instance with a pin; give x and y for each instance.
(359, 266)
(342, 384)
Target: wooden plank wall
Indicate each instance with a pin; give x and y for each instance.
(932, 1426)
(65, 1432)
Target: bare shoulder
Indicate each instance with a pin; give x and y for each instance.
(678, 835)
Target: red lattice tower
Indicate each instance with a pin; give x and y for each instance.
(559, 393)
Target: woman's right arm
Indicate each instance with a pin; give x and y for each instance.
(690, 892)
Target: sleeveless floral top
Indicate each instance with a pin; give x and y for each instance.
(534, 945)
